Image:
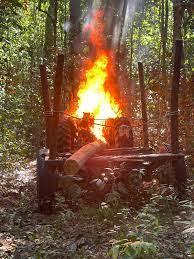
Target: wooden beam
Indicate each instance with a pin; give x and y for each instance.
(143, 104)
(57, 104)
(46, 102)
(125, 151)
(135, 161)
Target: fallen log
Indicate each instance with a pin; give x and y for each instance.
(75, 162)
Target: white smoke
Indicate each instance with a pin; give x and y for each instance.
(118, 25)
(132, 7)
(67, 26)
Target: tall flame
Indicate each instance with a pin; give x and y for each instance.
(94, 95)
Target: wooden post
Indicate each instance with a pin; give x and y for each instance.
(47, 103)
(57, 104)
(174, 126)
(143, 104)
(179, 165)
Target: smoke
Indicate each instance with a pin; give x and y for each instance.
(66, 26)
(118, 26)
(117, 18)
(131, 9)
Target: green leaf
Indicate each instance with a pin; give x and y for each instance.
(115, 251)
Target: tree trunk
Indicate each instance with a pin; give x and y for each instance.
(47, 103)
(75, 14)
(174, 97)
(178, 13)
(143, 103)
(131, 51)
(121, 45)
(57, 104)
(51, 30)
(89, 3)
(164, 33)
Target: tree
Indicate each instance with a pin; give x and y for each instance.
(75, 29)
(50, 42)
(178, 13)
(164, 34)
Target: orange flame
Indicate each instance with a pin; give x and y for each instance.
(94, 91)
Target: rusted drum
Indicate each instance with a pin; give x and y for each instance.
(118, 132)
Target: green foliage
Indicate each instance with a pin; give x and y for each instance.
(132, 250)
(105, 212)
(20, 102)
(113, 198)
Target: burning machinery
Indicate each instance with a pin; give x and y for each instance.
(100, 151)
(92, 143)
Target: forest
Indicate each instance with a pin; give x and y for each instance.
(96, 129)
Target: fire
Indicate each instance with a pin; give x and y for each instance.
(94, 94)
(94, 99)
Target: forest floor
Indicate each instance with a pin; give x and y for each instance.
(163, 226)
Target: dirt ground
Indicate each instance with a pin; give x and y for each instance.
(88, 231)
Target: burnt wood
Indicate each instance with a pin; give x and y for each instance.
(143, 104)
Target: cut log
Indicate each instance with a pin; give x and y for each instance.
(75, 162)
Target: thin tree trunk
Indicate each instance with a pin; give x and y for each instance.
(174, 97)
(50, 30)
(144, 104)
(89, 3)
(58, 82)
(178, 13)
(47, 103)
(75, 14)
(162, 34)
(131, 51)
(120, 43)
